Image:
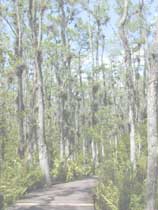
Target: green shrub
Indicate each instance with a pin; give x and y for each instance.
(17, 179)
(107, 196)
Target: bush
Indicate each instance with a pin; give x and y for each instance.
(107, 196)
(70, 169)
(16, 180)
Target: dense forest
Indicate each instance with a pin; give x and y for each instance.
(78, 97)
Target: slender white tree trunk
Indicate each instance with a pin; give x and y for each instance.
(152, 127)
(36, 29)
(130, 83)
(132, 138)
(42, 149)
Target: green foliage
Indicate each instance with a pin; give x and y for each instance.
(16, 179)
(107, 196)
(16, 176)
(76, 169)
(120, 187)
(73, 170)
(136, 202)
(70, 169)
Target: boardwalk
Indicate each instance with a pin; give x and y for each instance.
(76, 195)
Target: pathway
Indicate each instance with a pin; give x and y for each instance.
(76, 195)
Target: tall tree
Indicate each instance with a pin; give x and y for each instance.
(123, 32)
(19, 72)
(152, 122)
(36, 30)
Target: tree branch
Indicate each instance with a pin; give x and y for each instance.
(125, 13)
(10, 26)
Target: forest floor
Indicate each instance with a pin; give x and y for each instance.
(75, 195)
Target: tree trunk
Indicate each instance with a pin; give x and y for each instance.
(130, 85)
(1, 201)
(152, 129)
(21, 112)
(43, 155)
(36, 28)
(19, 73)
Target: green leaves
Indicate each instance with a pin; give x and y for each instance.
(16, 180)
(107, 196)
